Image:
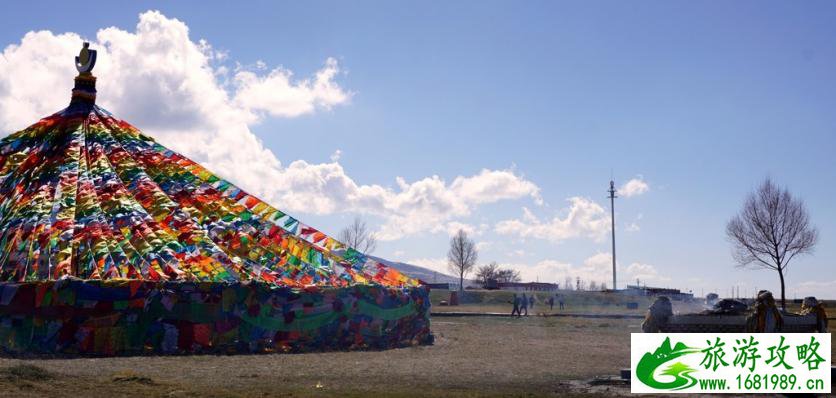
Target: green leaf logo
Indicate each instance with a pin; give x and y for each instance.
(665, 353)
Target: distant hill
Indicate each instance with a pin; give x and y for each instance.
(418, 272)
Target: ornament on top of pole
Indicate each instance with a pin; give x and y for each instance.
(86, 60)
(84, 92)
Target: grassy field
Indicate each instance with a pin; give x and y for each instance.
(472, 356)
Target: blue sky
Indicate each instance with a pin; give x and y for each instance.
(698, 100)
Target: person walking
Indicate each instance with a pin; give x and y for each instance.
(560, 300)
(516, 302)
(531, 302)
(524, 306)
(551, 303)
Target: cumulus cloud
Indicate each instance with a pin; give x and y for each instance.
(189, 97)
(438, 264)
(599, 261)
(583, 218)
(602, 262)
(550, 271)
(454, 227)
(634, 187)
(645, 273)
(278, 95)
(431, 202)
(335, 157)
(30, 72)
(165, 83)
(596, 268)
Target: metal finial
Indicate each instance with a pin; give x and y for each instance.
(86, 59)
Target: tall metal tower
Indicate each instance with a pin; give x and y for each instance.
(612, 220)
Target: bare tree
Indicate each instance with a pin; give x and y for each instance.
(771, 230)
(593, 286)
(358, 236)
(487, 272)
(603, 285)
(567, 283)
(508, 275)
(501, 275)
(462, 255)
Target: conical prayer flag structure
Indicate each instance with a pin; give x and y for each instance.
(88, 195)
(113, 244)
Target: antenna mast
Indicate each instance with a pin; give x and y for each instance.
(612, 220)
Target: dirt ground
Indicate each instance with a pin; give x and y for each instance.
(472, 356)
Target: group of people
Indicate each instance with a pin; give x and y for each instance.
(522, 304)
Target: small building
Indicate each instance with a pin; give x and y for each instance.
(673, 294)
(528, 286)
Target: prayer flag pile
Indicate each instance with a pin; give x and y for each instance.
(100, 227)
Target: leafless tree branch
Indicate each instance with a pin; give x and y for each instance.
(462, 255)
(358, 236)
(772, 228)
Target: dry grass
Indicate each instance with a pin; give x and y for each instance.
(473, 356)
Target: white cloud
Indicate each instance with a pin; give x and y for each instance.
(438, 264)
(180, 92)
(160, 80)
(429, 203)
(583, 218)
(550, 271)
(278, 95)
(645, 273)
(633, 226)
(335, 157)
(453, 227)
(597, 268)
(601, 264)
(634, 187)
(493, 185)
(29, 75)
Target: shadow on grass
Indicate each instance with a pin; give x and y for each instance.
(25, 372)
(131, 377)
